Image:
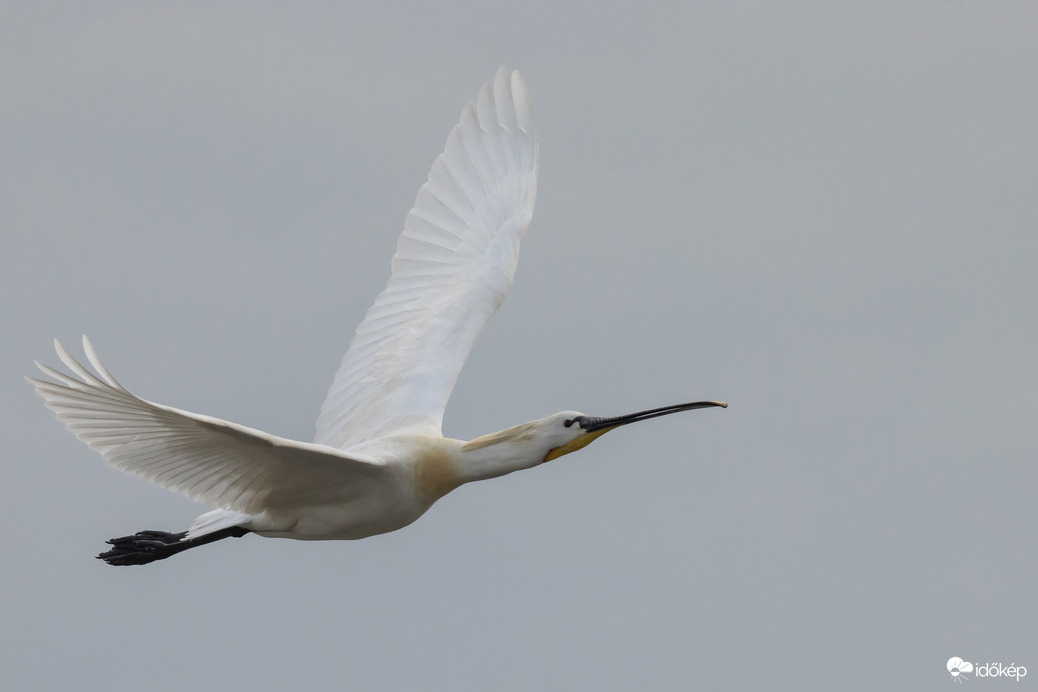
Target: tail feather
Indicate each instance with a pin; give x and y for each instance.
(216, 520)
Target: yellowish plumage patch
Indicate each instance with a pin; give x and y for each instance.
(435, 473)
(517, 433)
(579, 443)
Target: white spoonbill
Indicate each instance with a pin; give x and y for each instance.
(379, 459)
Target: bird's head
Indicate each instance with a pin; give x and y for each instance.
(569, 431)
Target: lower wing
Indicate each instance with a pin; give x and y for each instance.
(207, 459)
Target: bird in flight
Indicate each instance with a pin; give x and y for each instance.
(379, 459)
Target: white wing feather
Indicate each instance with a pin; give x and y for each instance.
(453, 266)
(207, 459)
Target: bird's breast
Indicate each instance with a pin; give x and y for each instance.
(435, 473)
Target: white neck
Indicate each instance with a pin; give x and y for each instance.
(496, 454)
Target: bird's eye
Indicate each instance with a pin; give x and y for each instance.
(568, 422)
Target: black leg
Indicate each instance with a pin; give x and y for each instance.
(148, 546)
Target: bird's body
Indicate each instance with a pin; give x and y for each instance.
(413, 472)
(379, 459)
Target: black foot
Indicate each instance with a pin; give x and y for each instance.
(148, 546)
(142, 547)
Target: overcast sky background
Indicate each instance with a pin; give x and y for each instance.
(824, 214)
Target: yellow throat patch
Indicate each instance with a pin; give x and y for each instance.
(579, 443)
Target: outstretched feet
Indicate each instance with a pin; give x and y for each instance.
(142, 547)
(148, 546)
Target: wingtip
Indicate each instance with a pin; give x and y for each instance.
(507, 76)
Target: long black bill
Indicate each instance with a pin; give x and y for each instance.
(591, 423)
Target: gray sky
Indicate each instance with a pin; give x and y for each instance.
(823, 214)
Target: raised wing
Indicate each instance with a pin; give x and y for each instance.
(453, 266)
(208, 459)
